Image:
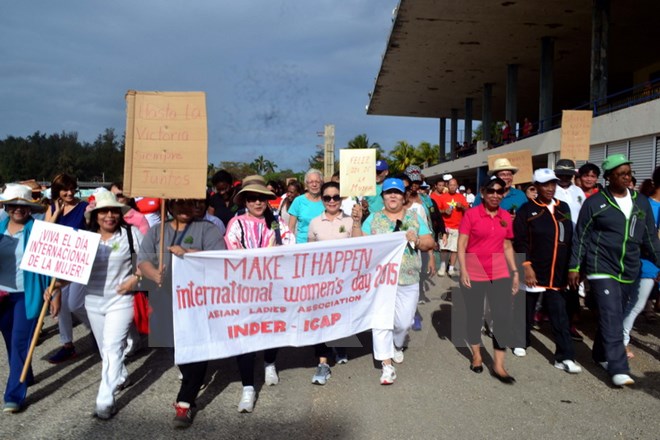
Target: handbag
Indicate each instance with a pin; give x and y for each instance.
(141, 308)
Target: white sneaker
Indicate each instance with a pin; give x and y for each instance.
(622, 380)
(389, 375)
(271, 375)
(441, 271)
(246, 404)
(569, 366)
(452, 272)
(520, 352)
(398, 355)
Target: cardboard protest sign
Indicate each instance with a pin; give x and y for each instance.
(521, 159)
(357, 168)
(575, 134)
(60, 252)
(166, 144)
(231, 302)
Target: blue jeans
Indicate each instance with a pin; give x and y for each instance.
(17, 331)
(611, 297)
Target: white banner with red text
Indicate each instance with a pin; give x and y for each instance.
(232, 302)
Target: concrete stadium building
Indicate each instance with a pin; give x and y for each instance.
(491, 61)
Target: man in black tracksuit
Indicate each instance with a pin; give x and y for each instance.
(615, 229)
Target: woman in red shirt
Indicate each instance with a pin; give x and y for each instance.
(485, 254)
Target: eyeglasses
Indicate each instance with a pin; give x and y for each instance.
(499, 191)
(254, 198)
(334, 198)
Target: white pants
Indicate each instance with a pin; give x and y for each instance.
(633, 310)
(110, 327)
(73, 302)
(404, 312)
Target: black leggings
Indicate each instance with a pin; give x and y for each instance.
(246, 364)
(499, 297)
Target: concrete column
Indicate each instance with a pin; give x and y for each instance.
(454, 133)
(443, 139)
(600, 25)
(511, 111)
(545, 83)
(486, 112)
(468, 121)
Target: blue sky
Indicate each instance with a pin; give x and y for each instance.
(274, 71)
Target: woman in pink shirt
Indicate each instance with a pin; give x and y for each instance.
(485, 254)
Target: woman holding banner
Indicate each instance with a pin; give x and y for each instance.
(181, 235)
(388, 344)
(257, 228)
(108, 301)
(68, 210)
(332, 224)
(21, 292)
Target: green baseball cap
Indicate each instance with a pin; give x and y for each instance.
(615, 160)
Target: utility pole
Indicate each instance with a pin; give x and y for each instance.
(329, 151)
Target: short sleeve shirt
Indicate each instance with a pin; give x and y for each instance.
(485, 248)
(446, 201)
(322, 228)
(304, 210)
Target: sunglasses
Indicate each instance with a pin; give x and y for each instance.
(253, 199)
(108, 210)
(491, 191)
(392, 191)
(334, 198)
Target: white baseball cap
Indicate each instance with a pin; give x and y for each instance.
(544, 175)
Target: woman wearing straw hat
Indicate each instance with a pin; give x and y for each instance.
(257, 228)
(21, 292)
(615, 228)
(107, 294)
(181, 235)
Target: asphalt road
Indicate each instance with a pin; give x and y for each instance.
(435, 395)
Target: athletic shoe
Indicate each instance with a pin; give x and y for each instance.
(568, 366)
(341, 358)
(417, 323)
(398, 355)
(389, 375)
(519, 351)
(322, 374)
(452, 272)
(441, 271)
(271, 375)
(11, 407)
(63, 354)
(575, 335)
(246, 404)
(184, 415)
(105, 413)
(621, 380)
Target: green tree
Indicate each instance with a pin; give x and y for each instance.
(361, 141)
(263, 166)
(425, 153)
(402, 155)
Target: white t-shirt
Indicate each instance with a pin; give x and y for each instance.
(111, 267)
(625, 203)
(574, 198)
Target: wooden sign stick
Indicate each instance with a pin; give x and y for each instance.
(37, 331)
(161, 251)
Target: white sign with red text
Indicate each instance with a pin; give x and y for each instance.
(60, 251)
(231, 302)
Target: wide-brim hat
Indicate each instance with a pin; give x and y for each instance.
(253, 188)
(565, 167)
(105, 199)
(32, 184)
(502, 164)
(20, 195)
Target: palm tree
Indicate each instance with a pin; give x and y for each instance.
(362, 141)
(263, 166)
(426, 154)
(402, 155)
